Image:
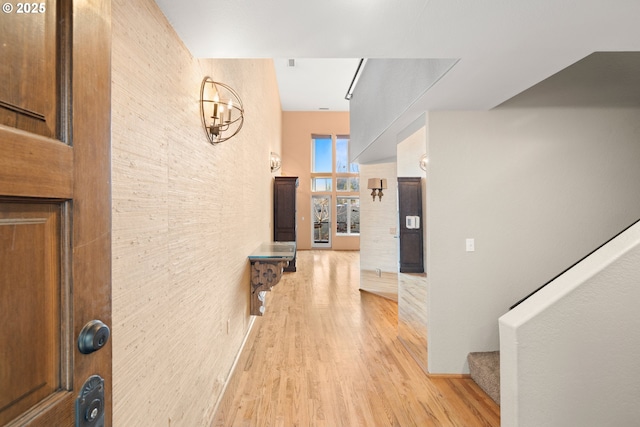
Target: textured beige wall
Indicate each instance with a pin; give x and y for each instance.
(185, 216)
(378, 231)
(297, 128)
(379, 220)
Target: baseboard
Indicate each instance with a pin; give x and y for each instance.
(231, 383)
(425, 368)
(389, 296)
(452, 376)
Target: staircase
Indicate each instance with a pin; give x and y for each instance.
(485, 371)
(485, 366)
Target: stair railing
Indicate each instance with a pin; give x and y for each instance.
(571, 266)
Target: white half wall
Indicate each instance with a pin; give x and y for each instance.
(569, 354)
(537, 189)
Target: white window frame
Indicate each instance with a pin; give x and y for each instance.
(348, 232)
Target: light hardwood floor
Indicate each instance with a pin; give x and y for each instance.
(326, 354)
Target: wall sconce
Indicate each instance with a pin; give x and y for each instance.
(221, 110)
(376, 185)
(275, 161)
(423, 162)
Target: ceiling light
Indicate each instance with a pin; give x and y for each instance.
(356, 77)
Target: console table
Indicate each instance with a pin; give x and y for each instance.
(267, 264)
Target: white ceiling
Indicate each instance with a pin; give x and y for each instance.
(504, 46)
(315, 83)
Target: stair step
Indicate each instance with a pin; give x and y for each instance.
(484, 367)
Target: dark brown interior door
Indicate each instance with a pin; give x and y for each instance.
(284, 212)
(55, 210)
(411, 230)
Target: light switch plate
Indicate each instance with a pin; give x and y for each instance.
(471, 245)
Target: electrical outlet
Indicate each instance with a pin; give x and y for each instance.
(378, 272)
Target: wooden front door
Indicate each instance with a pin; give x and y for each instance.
(55, 210)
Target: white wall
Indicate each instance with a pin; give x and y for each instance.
(409, 151)
(538, 189)
(569, 354)
(412, 288)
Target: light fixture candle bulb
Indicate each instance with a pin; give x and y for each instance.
(230, 106)
(216, 100)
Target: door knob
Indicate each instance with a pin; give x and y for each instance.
(94, 336)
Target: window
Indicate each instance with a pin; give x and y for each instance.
(348, 184)
(322, 154)
(321, 184)
(348, 215)
(342, 156)
(332, 174)
(347, 179)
